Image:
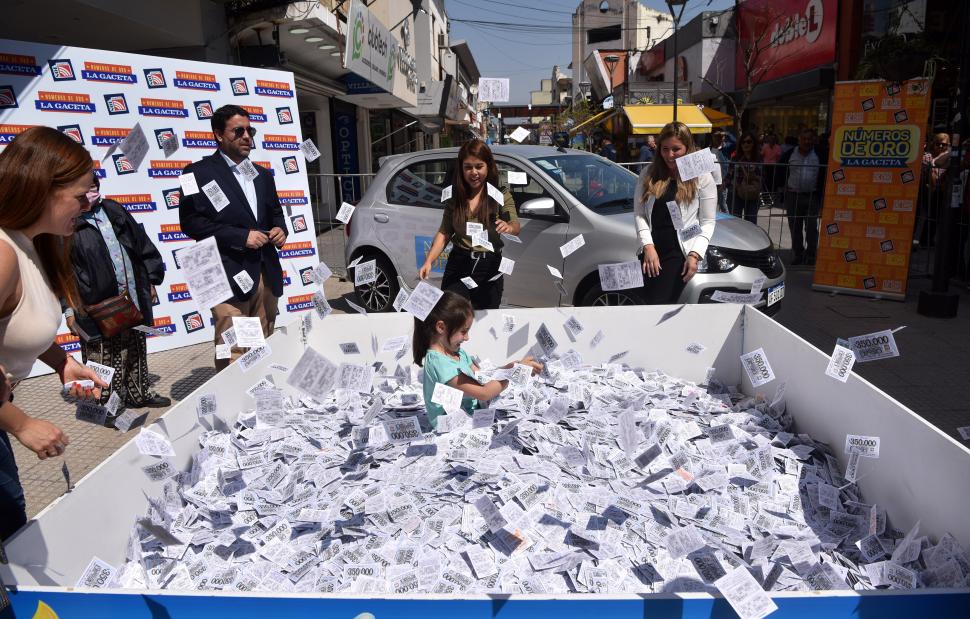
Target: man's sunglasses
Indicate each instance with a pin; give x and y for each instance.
(238, 132)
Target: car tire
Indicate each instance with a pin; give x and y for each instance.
(596, 296)
(378, 296)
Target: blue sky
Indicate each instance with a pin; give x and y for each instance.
(526, 58)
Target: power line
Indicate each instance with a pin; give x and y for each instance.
(518, 6)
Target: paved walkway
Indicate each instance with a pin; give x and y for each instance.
(930, 376)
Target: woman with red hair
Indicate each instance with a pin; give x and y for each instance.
(44, 176)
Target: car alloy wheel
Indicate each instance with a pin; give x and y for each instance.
(613, 299)
(378, 295)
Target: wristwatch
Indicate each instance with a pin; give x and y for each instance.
(695, 254)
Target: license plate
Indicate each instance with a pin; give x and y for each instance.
(776, 293)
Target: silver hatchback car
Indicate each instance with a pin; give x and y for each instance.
(564, 193)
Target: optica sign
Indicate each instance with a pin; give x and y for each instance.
(790, 36)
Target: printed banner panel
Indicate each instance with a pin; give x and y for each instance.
(866, 228)
(97, 96)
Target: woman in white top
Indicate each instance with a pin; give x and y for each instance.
(675, 235)
(44, 176)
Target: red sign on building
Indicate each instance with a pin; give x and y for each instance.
(785, 36)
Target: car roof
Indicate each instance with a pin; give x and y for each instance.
(527, 151)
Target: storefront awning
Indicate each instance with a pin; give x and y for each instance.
(594, 120)
(646, 119)
(718, 119)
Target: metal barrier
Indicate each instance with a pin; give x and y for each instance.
(761, 193)
(327, 193)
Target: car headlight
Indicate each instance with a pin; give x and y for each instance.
(716, 261)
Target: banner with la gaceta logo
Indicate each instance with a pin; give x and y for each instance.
(96, 97)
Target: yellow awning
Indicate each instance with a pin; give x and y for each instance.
(646, 119)
(594, 120)
(718, 119)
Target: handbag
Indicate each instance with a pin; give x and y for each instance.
(116, 314)
(748, 188)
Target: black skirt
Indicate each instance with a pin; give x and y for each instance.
(481, 267)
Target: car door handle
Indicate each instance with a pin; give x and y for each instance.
(381, 218)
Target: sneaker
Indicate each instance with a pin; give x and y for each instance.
(153, 401)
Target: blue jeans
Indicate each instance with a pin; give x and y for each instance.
(13, 507)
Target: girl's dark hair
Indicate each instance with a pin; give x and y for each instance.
(755, 148)
(461, 192)
(451, 309)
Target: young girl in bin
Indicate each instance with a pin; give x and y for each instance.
(437, 347)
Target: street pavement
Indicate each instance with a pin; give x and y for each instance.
(930, 376)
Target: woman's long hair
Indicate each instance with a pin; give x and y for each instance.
(461, 192)
(755, 149)
(658, 175)
(452, 309)
(37, 163)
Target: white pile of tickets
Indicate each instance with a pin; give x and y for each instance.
(582, 479)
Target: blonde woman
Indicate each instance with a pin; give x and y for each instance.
(674, 218)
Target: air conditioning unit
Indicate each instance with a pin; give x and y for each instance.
(442, 40)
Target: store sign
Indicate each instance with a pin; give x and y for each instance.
(786, 37)
(874, 163)
(371, 48)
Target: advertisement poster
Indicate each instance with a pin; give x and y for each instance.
(866, 227)
(96, 97)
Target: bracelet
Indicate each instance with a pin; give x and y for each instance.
(695, 254)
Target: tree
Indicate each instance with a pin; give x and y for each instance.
(757, 42)
(579, 112)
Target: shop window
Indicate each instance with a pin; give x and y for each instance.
(420, 184)
(601, 35)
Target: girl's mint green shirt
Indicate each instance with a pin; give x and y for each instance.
(440, 368)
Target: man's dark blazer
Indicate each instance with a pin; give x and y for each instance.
(231, 226)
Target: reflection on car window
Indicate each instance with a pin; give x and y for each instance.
(521, 194)
(596, 183)
(420, 184)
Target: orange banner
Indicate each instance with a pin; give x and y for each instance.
(876, 149)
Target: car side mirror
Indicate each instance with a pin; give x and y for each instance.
(538, 206)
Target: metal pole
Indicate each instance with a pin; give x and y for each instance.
(675, 62)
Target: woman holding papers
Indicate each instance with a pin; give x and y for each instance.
(476, 216)
(44, 176)
(675, 234)
(112, 254)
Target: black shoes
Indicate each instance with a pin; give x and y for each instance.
(154, 401)
(797, 260)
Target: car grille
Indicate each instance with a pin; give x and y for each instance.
(765, 260)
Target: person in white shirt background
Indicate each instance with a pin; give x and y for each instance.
(803, 198)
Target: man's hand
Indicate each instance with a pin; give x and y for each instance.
(277, 236)
(41, 437)
(256, 239)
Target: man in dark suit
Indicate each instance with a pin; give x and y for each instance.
(248, 229)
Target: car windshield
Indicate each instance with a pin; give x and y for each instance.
(594, 181)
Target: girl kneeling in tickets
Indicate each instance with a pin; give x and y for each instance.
(475, 217)
(674, 218)
(436, 346)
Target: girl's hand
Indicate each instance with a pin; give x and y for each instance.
(5, 387)
(532, 363)
(690, 267)
(41, 437)
(503, 227)
(425, 270)
(651, 261)
(74, 371)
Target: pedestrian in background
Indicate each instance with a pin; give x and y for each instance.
(607, 149)
(648, 151)
(248, 230)
(472, 207)
(746, 179)
(44, 178)
(112, 255)
(672, 249)
(803, 198)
